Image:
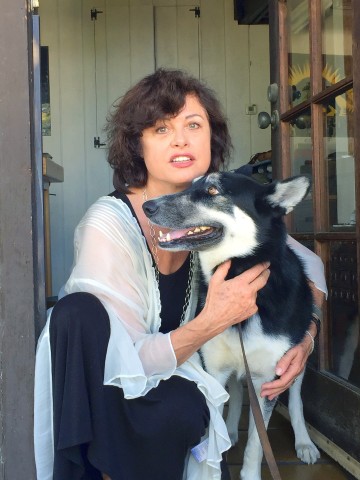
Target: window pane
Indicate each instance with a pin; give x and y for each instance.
(344, 313)
(301, 164)
(337, 40)
(338, 117)
(299, 51)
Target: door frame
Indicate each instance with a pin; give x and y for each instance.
(331, 405)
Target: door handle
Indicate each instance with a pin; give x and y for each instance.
(273, 92)
(264, 120)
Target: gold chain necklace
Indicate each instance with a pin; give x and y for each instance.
(154, 251)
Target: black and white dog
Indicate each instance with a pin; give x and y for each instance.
(229, 216)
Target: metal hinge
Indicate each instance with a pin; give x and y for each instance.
(97, 143)
(196, 10)
(94, 13)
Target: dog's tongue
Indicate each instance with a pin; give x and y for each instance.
(186, 232)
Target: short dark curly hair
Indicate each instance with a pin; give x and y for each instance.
(159, 95)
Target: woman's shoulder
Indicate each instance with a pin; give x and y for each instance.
(108, 212)
(107, 203)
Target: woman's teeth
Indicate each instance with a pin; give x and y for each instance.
(181, 159)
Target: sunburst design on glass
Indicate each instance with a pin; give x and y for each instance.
(299, 77)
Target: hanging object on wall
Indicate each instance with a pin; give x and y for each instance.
(251, 12)
(93, 16)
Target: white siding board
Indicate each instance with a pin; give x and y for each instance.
(142, 41)
(188, 40)
(237, 86)
(95, 101)
(177, 38)
(213, 46)
(118, 50)
(166, 35)
(72, 117)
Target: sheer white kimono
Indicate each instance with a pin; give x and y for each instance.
(112, 261)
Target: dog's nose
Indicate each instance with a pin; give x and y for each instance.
(150, 208)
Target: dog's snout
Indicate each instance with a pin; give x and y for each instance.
(150, 208)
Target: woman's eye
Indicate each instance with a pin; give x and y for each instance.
(194, 126)
(162, 129)
(213, 191)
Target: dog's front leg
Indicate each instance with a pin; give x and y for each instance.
(305, 449)
(235, 406)
(253, 454)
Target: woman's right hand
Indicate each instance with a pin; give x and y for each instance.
(228, 302)
(231, 301)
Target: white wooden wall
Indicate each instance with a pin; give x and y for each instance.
(131, 38)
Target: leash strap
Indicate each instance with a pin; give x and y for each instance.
(259, 420)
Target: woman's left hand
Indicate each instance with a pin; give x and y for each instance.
(293, 362)
(288, 369)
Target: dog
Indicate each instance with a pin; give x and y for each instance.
(230, 216)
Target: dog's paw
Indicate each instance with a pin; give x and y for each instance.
(307, 453)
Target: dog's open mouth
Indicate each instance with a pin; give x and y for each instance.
(190, 238)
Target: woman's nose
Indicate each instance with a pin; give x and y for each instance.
(179, 138)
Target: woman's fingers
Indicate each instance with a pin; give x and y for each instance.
(257, 275)
(260, 270)
(288, 369)
(234, 300)
(221, 272)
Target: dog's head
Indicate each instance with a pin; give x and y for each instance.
(225, 210)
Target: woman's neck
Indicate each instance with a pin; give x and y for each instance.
(167, 262)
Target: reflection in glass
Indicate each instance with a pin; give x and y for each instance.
(336, 40)
(338, 120)
(299, 51)
(344, 312)
(301, 164)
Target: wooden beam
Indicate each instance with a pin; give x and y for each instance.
(20, 243)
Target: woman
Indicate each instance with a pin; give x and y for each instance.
(120, 392)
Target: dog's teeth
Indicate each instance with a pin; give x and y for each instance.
(160, 233)
(204, 228)
(168, 238)
(197, 230)
(190, 232)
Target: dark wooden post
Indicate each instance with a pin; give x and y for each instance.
(21, 243)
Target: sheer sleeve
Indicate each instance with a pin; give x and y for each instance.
(112, 262)
(313, 264)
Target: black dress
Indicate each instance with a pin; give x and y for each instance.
(96, 430)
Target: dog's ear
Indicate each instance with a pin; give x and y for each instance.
(288, 193)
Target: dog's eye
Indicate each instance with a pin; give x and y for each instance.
(213, 191)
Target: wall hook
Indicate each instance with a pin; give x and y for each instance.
(97, 143)
(94, 13)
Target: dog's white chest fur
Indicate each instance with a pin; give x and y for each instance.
(223, 355)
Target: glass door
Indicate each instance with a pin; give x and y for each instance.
(315, 56)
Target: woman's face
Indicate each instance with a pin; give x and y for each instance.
(176, 150)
